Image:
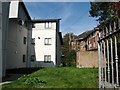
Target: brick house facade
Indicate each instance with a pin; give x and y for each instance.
(87, 54)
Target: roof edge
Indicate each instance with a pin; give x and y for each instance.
(45, 20)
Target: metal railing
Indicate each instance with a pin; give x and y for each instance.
(108, 59)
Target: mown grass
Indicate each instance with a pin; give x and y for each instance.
(62, 77)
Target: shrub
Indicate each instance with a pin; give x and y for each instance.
(34, 81)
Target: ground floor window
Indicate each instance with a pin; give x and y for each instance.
(32, 57)
(24, 57)
(47, 58)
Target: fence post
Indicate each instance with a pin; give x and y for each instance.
(108, 62)
(119, 23)
(99, 61)
(116, 56)
(111, 56)
(104, 60)
(104, 55)
(101, 58)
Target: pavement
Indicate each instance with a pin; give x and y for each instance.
(10, 77)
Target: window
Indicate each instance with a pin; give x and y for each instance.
(33, 41)
(24, 58)
(48, 25)
(24, 40)
(25, 23)
(33, 26)
(47, 58)
(32, 57)
(48, 41)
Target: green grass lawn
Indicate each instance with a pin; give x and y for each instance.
(61, 77)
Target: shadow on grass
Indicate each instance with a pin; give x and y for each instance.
(14, 74)
(23, 70)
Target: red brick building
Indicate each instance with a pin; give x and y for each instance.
(92, 40)
(87, 54)
(74, 44)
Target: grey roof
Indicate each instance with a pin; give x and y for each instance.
(22, 3)
(45, 20)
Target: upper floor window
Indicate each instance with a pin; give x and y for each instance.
(25, 24)
(33, 41)
(33, 26)
(48, 25)
(48, 41)
(24, 40)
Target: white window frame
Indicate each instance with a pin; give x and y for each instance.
(48, 25)
(48, 41)
(47, 58)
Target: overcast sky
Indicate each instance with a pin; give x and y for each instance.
(75, 15)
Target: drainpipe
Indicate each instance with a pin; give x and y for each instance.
(29, 38)
(5, 20)
(0, 42)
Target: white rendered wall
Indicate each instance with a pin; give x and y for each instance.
(13, 10)
(40, 48)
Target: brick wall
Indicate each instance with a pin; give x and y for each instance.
(93, 44)
(87, 59)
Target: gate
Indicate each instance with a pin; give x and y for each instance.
(109, 54)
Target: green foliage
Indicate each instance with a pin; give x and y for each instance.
(71, 60)
(63, 77)
(33, 81)
(102, 10)
(69, 55)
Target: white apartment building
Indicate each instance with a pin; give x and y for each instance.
(47, 40)
(24, 46)
(20, 27)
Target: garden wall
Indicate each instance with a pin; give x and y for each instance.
(87, 59)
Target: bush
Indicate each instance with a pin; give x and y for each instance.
(71, 61)
(33, 81)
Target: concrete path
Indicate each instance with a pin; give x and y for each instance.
(5, 82)
(10, 77)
